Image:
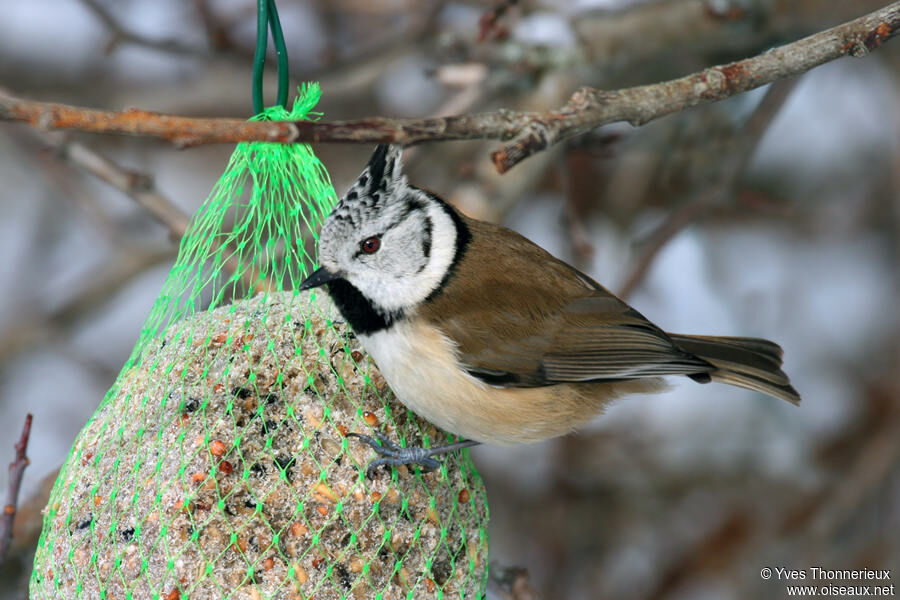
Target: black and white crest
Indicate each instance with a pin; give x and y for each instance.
(381, 179)
(387, 243)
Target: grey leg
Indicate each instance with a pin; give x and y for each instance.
(393, 455)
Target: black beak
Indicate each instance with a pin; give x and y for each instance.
(320, 276)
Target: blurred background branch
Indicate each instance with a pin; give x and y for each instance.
(122, 35)
(16, 472)
(733, 167)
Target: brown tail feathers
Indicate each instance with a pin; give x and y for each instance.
(750, 363)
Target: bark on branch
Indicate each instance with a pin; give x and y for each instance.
(524, 132)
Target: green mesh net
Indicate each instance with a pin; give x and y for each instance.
(217, 465)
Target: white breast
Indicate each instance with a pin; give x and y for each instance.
(421, 369)
(420, 365)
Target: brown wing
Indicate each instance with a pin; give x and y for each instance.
(524, 318)
(593, 342)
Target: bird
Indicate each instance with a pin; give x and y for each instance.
(486, 334)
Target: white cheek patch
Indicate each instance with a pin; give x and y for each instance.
(407, 276)
(443, 248)
(402, 257)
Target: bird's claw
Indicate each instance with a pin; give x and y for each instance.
(393, 455)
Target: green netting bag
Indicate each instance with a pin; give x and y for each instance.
(217, 465)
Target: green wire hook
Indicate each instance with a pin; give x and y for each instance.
(267, 18)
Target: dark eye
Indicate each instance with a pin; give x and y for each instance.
(371, 245)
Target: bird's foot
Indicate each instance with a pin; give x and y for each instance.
(392, 455)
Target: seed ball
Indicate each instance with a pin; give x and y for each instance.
(218, 465)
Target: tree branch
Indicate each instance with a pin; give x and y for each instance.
(526, 132)
(589, 107)
(16, 471)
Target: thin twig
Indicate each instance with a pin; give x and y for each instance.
(216, 30)
(758, 124)
(92, 294)
(871, 468)
(137, 186)
(673, 224)
(489, 23)
(732, 173)
(121, 34)
(511, 583)
(142, 189)
(529, 132)
(712, 552)
(16, 471)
